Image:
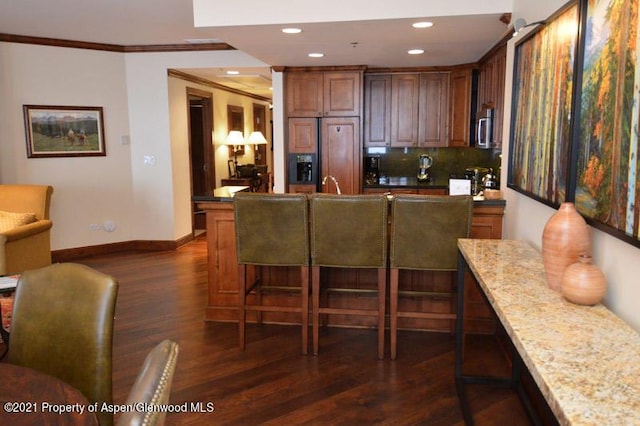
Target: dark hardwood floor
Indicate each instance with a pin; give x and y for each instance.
(163, 296)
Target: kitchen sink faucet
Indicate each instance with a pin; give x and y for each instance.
(335, 181)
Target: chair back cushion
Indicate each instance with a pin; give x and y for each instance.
(26, 199)
(11, 220)
(62, 325)
(152, 386)
(425, 230)
(272, 229)
(349, 230)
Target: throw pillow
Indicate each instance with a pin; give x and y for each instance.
(10, 220)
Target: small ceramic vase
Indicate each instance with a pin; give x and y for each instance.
(583, 283)
(565, 237)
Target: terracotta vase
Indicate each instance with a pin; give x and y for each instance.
(583, 283)
(565, 237)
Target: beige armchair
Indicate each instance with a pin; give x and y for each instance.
(27, 245)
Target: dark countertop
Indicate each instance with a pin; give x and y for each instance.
(411, 182)
(224, 193)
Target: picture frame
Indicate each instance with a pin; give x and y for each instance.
(541, 128)
(235, 121)
(607, 186)
(64, 131)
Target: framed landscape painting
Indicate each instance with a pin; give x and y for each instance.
(607, 188)
(64, 131)
(541, 117)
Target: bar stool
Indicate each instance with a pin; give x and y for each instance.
(349, 231)
(424, 236)
(272, 230)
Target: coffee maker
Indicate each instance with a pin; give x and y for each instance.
(372, 170)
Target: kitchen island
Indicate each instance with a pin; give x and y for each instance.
(223, 286)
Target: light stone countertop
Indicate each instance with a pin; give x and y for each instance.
(584, 359)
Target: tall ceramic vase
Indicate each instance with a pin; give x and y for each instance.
(565, 237)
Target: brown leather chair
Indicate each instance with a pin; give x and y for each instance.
(152, 386)
(272, 230)
(424, 236)
(27, 245)
(349, 231)
(62, 325)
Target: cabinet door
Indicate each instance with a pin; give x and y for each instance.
(433, 109)
(340, 153)
(303, 135)
(499, 72)
(460, 111)
(342, 94)
(304, 94)
(377, 110)
(405, 94)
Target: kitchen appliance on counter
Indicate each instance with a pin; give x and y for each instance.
(372, 169)
(489, 180)
(475, 174)
(425, 162)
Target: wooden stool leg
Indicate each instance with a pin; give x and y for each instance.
(382, 300)
(304, 282)
(242, 297)
(393, 308)
(315, 296)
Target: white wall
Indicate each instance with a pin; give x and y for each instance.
(146, 202)
(86, 189)
(525, 218)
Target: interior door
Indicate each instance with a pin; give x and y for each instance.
(202, 155)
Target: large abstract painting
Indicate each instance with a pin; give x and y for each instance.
(542, 99)
(607, 187)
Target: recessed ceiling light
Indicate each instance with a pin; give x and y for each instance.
(291, 30)
(316, 55)
(232, 72)
(424, 24)
(415, 52)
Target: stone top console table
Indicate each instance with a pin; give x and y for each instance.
(584, 359)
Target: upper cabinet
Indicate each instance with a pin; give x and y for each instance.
(433, 109)
(407, 109)
(460, 108)
(324, 94)
(491, 79)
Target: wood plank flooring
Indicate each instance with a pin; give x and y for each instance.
(163, 296)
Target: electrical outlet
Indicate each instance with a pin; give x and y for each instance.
(109, 226)
(94, 227)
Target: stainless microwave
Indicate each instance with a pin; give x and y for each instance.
(484, 128)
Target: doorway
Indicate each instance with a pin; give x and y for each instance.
(201, 152)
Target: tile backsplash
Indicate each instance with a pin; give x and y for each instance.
(404, 161)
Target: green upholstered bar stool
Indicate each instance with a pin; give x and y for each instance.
(272, 230)
(424, 236)
(349, 231)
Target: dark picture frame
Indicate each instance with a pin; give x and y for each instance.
(607, 189)
(64, 131)
(541, 131)
(235, 121)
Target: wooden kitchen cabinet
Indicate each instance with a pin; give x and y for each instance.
(405, 97)
(460, 108)
(303, 135)
(377, 110)
(433, 110)
(478, 318)
(340, 153)
(491, 80)
(323, 94)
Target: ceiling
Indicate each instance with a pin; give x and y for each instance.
(375, 43)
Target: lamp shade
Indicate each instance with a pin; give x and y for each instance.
(257, 138)
(235, 137)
